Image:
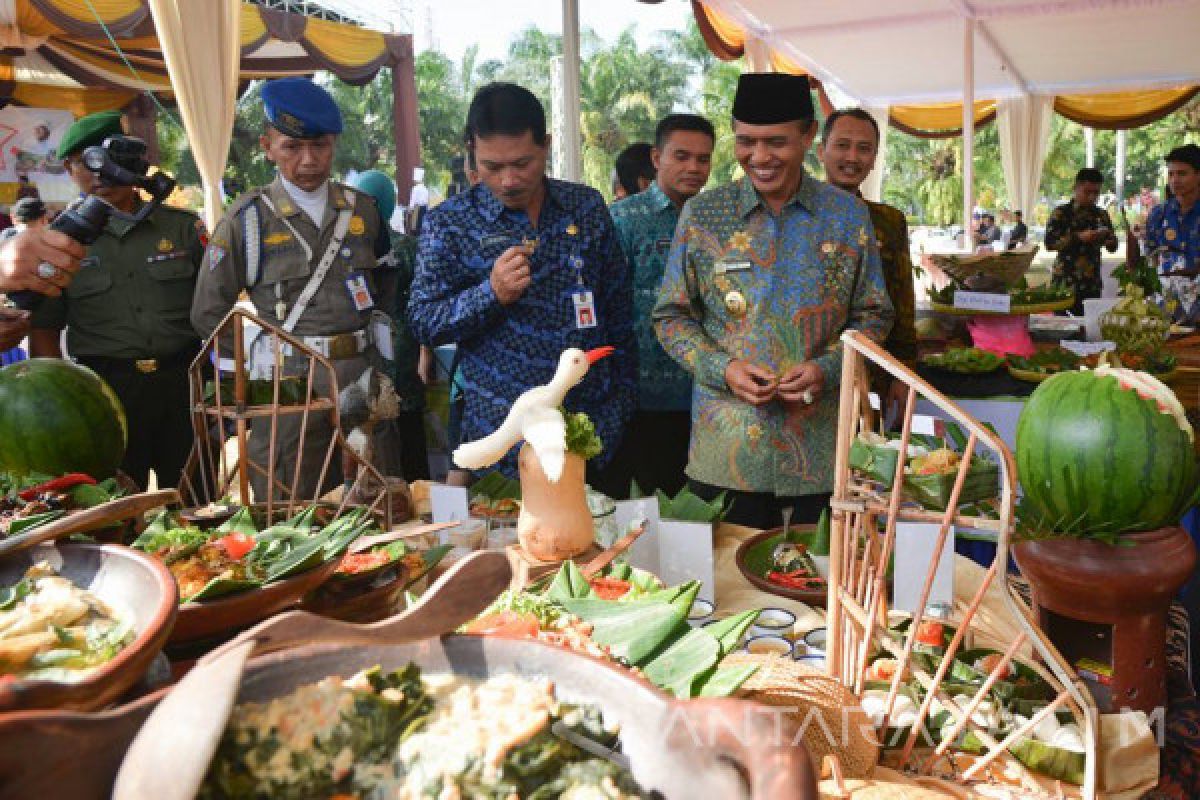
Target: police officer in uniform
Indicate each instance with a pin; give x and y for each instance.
(304, 248)
(126, 312)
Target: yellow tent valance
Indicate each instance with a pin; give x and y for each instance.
(724, 37)
(936, 120)
(345, 44)
(1116, 110)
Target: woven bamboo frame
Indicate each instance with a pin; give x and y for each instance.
(208, 474)
(862, 539)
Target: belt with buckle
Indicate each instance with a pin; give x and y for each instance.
(339, 346)
(142, 366)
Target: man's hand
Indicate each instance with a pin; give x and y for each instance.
(801, 383)
(510, 274)
(14, 326)
(1090, 237)
(21, 257)
(750, 383)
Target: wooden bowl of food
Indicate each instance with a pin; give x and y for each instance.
(104, 613)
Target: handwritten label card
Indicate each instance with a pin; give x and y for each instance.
(449, 503)
(982, 301)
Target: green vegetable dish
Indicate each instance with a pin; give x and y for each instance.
(237, 557)
(50, 629)
(407, 735)
(966, 360)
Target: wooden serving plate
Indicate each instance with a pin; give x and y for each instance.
(210, 619)
(752, 552)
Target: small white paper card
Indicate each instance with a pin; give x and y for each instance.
(982, 301)
(449, 503)
(643, 554)
(1085, 349)
(685, 553)
(914, 553)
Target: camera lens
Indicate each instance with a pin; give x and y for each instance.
(94, 158)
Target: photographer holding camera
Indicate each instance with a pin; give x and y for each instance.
(126, 311)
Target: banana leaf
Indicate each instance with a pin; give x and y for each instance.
(1046, 759)
(240, 522)
(688, 507)
(304, 519)
(569, 584)
(632, 631)
(22, 524)
(874, 461)
(1024, 683)
(219, 587)
(89, 495)
(722, 681)
(495, 486)
(820, 540)
(677, 667)
(729, 631)
(933, 491)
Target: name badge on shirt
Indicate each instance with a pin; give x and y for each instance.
(360, 294)
(495, 240)
(732, 266)
(585, 309)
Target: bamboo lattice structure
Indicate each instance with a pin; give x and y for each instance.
(209, 475)
(863, 538)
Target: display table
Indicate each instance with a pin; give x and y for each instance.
(1179, 759)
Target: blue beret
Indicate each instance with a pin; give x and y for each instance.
(299, 108)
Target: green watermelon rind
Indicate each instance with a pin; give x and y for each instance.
(58, 417)
(1094, 457)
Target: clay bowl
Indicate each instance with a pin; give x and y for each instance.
(361, 602)
(210, 619)
(755, 551)
(120, 576)
(698, 748)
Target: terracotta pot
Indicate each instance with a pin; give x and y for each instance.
(1109, 604)
(555, 523)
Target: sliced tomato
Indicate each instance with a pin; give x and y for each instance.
(609, 588)
(509, 624)
(932, 634)
(236, 545)
(797, 580)
(354, 563)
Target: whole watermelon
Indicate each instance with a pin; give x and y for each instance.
(1105, 450)
(57, 417)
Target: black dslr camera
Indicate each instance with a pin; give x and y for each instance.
(119, 161)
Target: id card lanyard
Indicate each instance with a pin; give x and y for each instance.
(582, 299)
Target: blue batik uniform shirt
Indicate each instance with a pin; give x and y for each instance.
(1167, 226)
(645, 227)
(505, 350)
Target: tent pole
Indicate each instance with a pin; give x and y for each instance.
(570, 92)
(1120, 178)
(968, 129)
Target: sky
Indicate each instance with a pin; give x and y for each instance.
(457, 24)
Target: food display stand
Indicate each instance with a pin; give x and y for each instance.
(310, 392)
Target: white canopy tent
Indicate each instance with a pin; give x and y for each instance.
(1017, 52)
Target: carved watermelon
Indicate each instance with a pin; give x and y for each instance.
(57, 417)
(1106, 450)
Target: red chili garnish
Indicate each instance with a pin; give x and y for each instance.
(60, 484)
(797, 580)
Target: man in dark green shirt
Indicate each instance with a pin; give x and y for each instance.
(126, 313)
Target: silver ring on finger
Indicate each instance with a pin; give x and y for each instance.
(47, 271)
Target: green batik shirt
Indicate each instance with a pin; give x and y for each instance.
(744, 283)
(645, 226)
(1079, 265)
(401, 261)
(891, 234)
